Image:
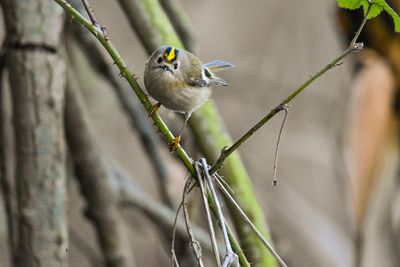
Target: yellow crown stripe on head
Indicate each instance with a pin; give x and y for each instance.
(170, 55)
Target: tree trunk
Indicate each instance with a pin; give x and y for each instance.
(37, 78)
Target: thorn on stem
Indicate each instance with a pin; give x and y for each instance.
(103, 29)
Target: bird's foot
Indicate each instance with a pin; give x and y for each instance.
(173, 145)
(154, 109)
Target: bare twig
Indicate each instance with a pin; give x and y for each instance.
(195, 245)
(199, 234)
(92, 17)
(354, 47)
(208, 213)
(174, 260)
(274, 179)
(230, 256)
(248, 221)
(357, 34)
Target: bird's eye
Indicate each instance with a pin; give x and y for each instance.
(175, 66)
(207, 73)
(159, 60)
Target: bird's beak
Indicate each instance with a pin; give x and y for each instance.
(165, 67)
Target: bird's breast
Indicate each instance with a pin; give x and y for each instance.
(176, 94)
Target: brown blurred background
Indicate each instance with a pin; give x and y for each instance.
(340, 131)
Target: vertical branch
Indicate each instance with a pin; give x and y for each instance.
(37, 79)
(174, 259)
(91, 172)
(6, 156)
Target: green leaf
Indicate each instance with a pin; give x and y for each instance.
(395, 17)
(350, 4)
(375, 10)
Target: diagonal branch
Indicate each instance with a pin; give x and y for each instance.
(356, 47)
(138, 120)
(187, 161)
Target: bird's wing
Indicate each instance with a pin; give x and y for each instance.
(194, 75)
(218, 65)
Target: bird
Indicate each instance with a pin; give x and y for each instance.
(179, 81)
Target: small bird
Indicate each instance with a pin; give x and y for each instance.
(178, 80)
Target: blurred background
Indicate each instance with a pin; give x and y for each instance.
(337, 200)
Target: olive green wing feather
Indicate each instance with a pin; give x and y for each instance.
(199, 75)
(194, 73)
